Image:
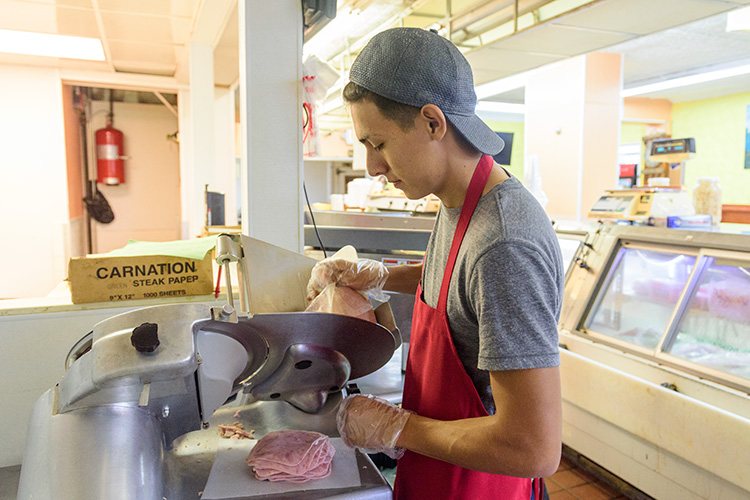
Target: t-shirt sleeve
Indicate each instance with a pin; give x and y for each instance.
(516, 299)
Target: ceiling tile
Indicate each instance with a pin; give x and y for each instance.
(76, 22)
(144, 51)
(143, 67)
(146, 28)
(86, 4)
(177, 8)
(27, 16)
(561, 40)
(706, 41)
(143, 57)
(507, 61)
(641, 16)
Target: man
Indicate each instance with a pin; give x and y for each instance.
(481, 406)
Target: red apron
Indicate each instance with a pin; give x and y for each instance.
(437, 386)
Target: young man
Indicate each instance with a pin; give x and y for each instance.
(481, 406)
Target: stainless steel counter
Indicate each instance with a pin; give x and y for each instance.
(369, 232)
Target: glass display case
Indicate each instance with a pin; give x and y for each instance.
(572, 244)
(655, 359)
(684, 306)
(713, 328)
(639, 294)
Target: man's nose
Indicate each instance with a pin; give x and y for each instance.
(376, 165)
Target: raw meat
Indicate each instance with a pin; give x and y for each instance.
(235, 431)
(295, 456)
(343, 300)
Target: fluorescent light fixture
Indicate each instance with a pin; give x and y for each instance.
(500, 86)
(45, 44)
(501, 107)
(739, 20)
(688, 80)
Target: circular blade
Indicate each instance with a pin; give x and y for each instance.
(368, 346)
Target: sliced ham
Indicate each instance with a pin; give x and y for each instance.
(295, 456)
(235, 431)
(343, 300)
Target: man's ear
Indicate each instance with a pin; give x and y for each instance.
(435, 120)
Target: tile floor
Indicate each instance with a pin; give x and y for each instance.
(572, 483)
(583, 480)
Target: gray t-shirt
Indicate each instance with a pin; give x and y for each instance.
(506, 290)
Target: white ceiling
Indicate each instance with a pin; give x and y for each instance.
(659, 39)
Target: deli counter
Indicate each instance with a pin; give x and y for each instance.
(655, 353)
(654, 343)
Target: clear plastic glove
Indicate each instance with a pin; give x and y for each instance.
(364, 275)
(343, 300)
(371, 424)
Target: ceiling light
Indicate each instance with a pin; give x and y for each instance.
(501, 107)
(739, 20)
(501, 86)
(44, 44)
(688, 80)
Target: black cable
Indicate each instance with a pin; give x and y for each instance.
(305, 116)
(315, 226)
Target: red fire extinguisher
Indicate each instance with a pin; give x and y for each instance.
(110, 162)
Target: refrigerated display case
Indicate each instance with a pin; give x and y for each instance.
(655, 353)
(573, 240)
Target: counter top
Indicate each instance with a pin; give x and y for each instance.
(59, 301)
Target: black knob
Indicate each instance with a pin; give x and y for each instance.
(145, 338)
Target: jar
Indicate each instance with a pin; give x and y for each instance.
(707, 198)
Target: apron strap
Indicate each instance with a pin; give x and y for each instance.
(476, 186)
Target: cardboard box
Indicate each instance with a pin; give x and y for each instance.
(112, 279)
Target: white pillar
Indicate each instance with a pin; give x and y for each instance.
(225, 175)
(197, 138)
(270, 116)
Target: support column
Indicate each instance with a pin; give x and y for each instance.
(270, 36)
(197, 138)
(225, 163)
(572, 123)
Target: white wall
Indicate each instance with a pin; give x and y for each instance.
(33, 194)
(147, 205)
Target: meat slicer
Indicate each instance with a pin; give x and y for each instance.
(135, 415)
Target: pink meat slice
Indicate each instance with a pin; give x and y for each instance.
(295, 456)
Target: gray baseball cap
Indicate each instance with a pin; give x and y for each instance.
(417, 67)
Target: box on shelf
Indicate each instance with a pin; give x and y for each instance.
(116, 278)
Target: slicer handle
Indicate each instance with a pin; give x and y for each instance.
(227, 251)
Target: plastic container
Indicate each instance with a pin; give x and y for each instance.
(707, 198)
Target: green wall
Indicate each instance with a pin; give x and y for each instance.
(516, 155)
(718, 126)
(632, 132)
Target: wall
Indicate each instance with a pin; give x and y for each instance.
(657, 112)
(718, 126)
(75, 175)
(554, 120)
(33, 196)
(573, 116)
(147, 205)
(516, 155)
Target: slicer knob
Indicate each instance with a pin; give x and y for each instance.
(145, 338)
